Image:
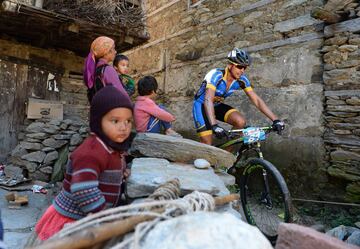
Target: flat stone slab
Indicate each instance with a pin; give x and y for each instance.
(352, 25)
(148, 173)
(179, 150)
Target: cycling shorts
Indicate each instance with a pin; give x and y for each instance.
(202, 124)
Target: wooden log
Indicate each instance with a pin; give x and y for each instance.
(219, 201)
(325, 15)
(89, 237)
(93, 236)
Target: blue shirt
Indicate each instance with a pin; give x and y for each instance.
(215, 79)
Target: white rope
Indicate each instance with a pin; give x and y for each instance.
(196, 201)
(193, 202)
(167, 191)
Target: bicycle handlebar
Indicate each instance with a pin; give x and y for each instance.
(265, 128)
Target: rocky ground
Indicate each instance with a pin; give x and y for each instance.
(19, 223)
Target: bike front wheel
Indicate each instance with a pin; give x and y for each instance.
(265, 197)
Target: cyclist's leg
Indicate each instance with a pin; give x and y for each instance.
(202, 125)
(225, 113)
(229, 115)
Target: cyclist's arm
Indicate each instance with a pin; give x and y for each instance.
(209, 105)
(260, 104)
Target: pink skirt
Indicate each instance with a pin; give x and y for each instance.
(50, 223)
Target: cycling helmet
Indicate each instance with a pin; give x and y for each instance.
(239, 57)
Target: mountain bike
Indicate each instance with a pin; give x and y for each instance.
(264, 194)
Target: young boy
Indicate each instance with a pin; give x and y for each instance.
(121, 65)
(97, 168)
(149, 117)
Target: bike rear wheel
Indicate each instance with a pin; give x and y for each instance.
(265, 197)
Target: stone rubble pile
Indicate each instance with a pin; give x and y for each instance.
(41, 143)
(342, 110)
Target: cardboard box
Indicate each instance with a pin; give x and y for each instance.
(40, 108)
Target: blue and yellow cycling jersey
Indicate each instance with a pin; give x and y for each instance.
(215, 79)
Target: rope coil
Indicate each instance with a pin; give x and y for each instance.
(194, 202)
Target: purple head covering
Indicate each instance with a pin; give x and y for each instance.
(105, 100)
(99, 48)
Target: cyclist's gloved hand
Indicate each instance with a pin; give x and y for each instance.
(278, 126)
(219, 131)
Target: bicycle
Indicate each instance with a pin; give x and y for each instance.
(264, 194)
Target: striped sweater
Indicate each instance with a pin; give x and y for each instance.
(92, 180)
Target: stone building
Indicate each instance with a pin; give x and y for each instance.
(307, 70)
(37, 45)
(308, 79)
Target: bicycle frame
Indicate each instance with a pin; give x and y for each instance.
(256, 146)
(265, 198)
(268, 175)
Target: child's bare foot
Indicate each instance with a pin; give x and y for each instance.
(171, 132)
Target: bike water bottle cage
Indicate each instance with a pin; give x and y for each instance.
(252, 135)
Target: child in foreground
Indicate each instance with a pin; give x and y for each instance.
(150, 117)
(97, 168)
(121, 65)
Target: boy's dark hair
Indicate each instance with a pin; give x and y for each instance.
(146, 85)
(118, 58)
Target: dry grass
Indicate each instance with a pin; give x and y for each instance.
(119, 13)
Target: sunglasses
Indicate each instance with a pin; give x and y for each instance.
(240, 67)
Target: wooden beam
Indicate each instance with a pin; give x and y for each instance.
(69, 27)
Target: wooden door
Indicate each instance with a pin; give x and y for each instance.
(13, 80)
(18, 82)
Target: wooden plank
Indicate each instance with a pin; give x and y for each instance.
(8, 74)
(20, 98)
(352, 25)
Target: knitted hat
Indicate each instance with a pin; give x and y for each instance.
(105, 100)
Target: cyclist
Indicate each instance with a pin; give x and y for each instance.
(219, 84)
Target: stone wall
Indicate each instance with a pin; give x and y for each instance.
(43, 143)
(287, 70)
(342, 107)
(24, 72)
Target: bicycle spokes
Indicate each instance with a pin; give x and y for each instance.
(262, 198)
(266, 200)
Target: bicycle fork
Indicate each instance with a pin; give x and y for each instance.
(265, 196)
